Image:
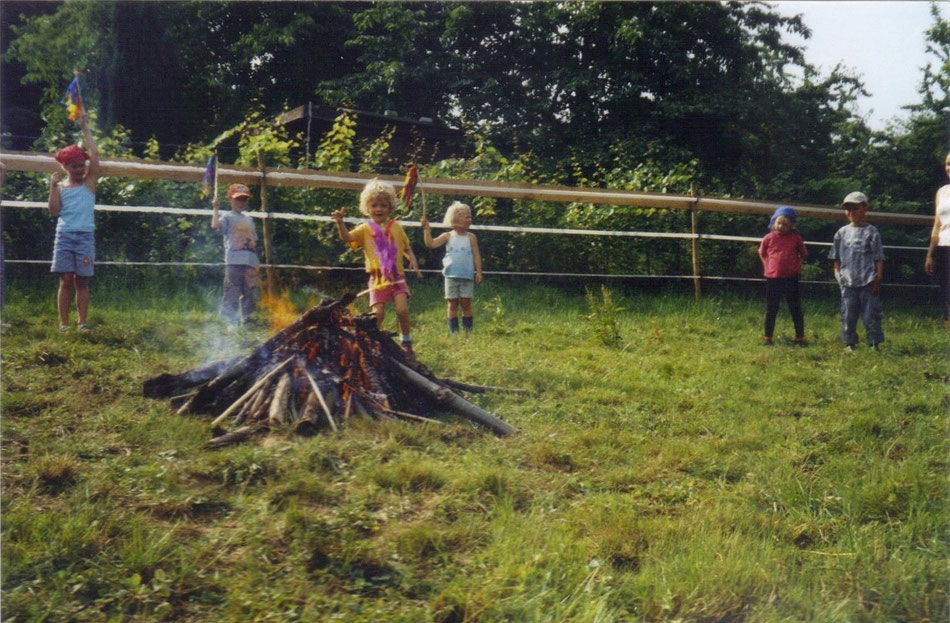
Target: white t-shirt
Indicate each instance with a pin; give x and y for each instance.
(943, 211)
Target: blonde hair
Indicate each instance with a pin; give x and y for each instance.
(452, 213)
(373, 188)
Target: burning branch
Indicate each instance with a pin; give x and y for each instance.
(320, 371)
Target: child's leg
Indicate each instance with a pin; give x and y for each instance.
(231, 296)
(249, 292)
(850, 310)
(794, 298)
(452, 311)
(773, 295)
(64, 297)
(401, 303)
(379, 310)
(82, 298)
(871, 315)
(467, 320)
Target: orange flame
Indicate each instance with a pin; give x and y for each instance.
(281, 309)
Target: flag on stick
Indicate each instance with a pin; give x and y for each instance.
(408, 186)
(210, 177)
(73, 99)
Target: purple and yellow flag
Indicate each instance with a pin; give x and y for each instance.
(409, 186)
(207, 182)
(73, 99)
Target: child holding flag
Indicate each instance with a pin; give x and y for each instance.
(240, 239)
(384, 245)
(72, 202)
(462, 264)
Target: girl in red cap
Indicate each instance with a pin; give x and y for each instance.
(72, 202)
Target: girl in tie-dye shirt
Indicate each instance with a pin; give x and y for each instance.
(384, 245)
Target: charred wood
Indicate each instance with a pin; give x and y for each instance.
(322, 370)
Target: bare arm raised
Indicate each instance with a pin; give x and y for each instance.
(337, 216)
(430, 242)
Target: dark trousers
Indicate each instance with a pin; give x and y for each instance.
(775, 289)
(941, 258)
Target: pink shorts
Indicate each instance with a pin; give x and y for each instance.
(387, 292)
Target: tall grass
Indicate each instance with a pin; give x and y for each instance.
(682, 472)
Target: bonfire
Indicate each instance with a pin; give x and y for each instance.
(327, 367)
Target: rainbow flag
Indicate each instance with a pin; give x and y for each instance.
(409, 186)
(207, 182)
(73, 100)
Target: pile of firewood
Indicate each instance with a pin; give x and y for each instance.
(325, 368)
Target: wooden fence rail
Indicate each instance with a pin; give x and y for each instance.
(276, 177)
(152, 169)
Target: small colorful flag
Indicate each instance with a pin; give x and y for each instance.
(408, 186)
(207, 182)
(73, 99)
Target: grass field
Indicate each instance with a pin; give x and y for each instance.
(680, 473)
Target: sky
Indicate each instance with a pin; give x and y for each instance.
(882, 41)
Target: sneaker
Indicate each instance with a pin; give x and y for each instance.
(85, 328)
(407, 348)
(767, 341)
(64, 329)
(800, 342)
(850, 348)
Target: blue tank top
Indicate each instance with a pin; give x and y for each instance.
(458, 261)
(78, 209)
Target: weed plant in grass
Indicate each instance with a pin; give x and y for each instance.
(679, 472)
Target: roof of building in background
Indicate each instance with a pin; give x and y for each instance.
(414, 140)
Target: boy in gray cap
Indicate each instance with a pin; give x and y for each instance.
(858, 256)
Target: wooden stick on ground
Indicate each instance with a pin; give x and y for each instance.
(481, 389)
(455, 403)
(349, 404)
(253, 406)
(277, 413)
(323, 402)
(234, 436)
(250, 392)
(412, 416)
(307, 423)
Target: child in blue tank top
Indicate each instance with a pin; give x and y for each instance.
(72, 204)
(462, 264)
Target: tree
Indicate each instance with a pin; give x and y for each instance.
(180, 71)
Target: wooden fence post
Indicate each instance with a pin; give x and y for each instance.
(694, 244)
(268, 271)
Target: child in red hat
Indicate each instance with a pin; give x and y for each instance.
(72, 202)
(239, 298)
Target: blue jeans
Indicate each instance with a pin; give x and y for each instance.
(864, 303)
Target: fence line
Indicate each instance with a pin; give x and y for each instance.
(268, 177)
(506, 273)
(497, 228)
(142, 169)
